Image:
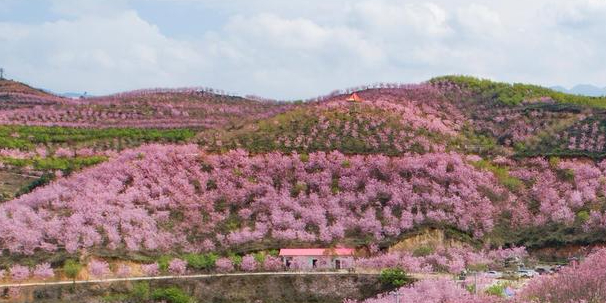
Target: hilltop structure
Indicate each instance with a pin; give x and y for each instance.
(354, 98)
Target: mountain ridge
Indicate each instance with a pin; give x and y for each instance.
(583, 89)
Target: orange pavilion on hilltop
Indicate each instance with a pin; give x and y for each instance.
(354, 98)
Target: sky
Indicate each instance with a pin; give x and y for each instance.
(297, 49)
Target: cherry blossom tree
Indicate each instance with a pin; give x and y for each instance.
(583, 283)
(224, 265)
(432, 291)
(249, 263)
(152, 269)
(19, 273)
(98, 268)
(177, 267)
(124, 271)
(43, 272)
(272, 263)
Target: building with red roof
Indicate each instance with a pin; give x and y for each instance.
(318, 258)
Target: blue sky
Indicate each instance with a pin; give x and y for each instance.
(297, 48)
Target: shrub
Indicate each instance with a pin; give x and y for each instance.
(235, 259)
(163, 262)
(14, 292)
(171, 295)
(497, 289)
(394, 277)
(71, 269)
(422, 251)
(260, 257)
(140, 291)
(45, 179)
(582, 216)
(201, 261)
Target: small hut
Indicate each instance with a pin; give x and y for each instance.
(317, 258)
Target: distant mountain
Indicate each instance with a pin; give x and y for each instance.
(583, 89)
(73, 95)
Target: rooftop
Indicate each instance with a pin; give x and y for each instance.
(317, 251)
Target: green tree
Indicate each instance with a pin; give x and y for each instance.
(140, 291)
(171, 295)
(422, 251)
(394, 277)
(235, 259)
(163, 262)
(72, 268)
(201, 261)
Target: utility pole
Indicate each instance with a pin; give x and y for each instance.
(1, 73)
(475, 282)
(397, 294)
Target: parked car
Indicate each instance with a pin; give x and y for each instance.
(526, 273)
(494, 274)
(543, 270)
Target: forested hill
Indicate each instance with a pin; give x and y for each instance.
(160, 171)
(448, 113)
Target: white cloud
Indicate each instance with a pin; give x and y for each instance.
(299, 34)
(297, 49)
(479, 19)
(580, 13)
(87, 7)
(100, 54)
(388, 18)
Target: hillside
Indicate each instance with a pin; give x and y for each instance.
(14, 87)
(177, 197)
(43, 135)
(198, 108)
(531, 119)
(448, 113)
(183, 108)
(491, 162)
(389, 121)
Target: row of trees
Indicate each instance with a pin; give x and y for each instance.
(140, 110)
(20, 273)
